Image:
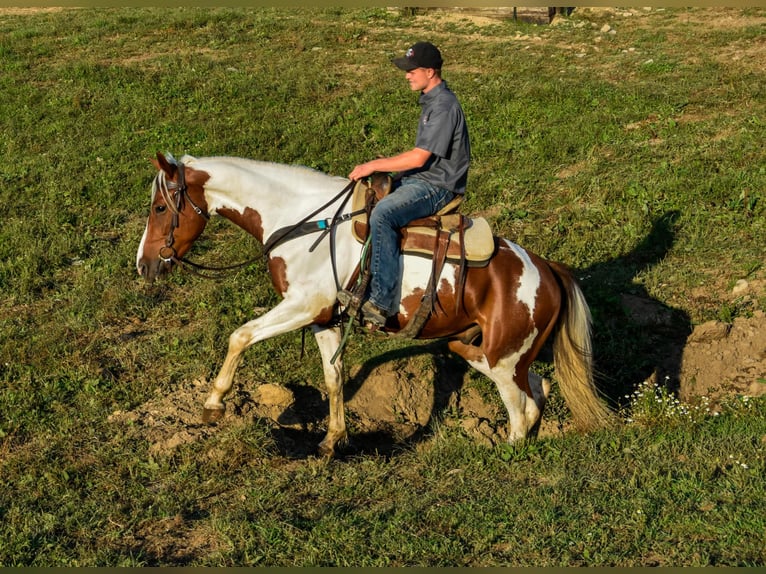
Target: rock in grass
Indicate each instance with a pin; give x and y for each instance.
(710, 331)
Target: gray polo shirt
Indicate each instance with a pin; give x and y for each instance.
(442, 131)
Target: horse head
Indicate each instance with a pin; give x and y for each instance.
(178, 216)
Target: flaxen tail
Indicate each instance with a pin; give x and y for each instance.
(573, 357)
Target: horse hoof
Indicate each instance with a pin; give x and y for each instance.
(325, 452)
(210, 416)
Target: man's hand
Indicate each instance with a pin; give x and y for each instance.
(360, 171)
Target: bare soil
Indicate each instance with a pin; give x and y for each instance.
(393, 403)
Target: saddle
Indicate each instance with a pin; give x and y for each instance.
(447, 236)
(469, 240)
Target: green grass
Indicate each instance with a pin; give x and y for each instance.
(639, 163)
(649, 495)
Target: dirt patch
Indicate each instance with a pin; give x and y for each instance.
(722, 359)
(387, 405)
(18, 11)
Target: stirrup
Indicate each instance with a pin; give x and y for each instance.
(345, 297)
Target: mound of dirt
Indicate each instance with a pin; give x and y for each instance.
(169, 420)
(717, 359)
(728, 358)
(725, 358)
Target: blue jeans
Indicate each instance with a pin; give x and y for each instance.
(412, 199)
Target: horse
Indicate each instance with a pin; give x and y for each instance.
(508, 308)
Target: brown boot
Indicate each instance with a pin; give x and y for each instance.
(373, 315)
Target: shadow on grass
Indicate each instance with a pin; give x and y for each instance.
(634, 335)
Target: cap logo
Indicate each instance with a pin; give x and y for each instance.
(410, 53)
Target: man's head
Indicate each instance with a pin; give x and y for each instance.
(420, 55)
(423, 64)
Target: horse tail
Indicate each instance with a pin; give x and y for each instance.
(573, 356)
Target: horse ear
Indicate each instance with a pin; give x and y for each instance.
(163, 164)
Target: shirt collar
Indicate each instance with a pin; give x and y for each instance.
(433, 93)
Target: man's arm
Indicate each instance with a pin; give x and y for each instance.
(412, 159)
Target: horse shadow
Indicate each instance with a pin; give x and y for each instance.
(312, 409)
(635, 337)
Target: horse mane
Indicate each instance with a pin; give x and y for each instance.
(301, 176)
(302, 179)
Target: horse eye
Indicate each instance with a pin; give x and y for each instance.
(160, 209)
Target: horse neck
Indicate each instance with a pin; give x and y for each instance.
(261, 197)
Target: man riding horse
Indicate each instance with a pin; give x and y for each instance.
(431, 174)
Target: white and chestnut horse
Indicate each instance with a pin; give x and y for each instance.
(509, 307)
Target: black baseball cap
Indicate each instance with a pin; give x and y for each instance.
(420, 55)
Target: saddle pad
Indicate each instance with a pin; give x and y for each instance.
(479, 242)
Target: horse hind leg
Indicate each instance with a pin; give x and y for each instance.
(524, 394)
(540, 388)
(524, 402)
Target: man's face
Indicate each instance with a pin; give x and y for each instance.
(419, 78)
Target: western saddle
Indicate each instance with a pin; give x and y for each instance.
(447, 236)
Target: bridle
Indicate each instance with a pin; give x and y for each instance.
(180, 194)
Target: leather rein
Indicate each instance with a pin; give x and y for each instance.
(303, 227)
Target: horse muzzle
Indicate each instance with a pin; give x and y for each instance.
(155, 268)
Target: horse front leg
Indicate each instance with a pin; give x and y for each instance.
(328, 340)
(285, 317)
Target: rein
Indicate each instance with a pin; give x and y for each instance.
(305, 226)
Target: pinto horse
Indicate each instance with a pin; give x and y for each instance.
(508, 308)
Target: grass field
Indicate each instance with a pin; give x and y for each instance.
(632, 152)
